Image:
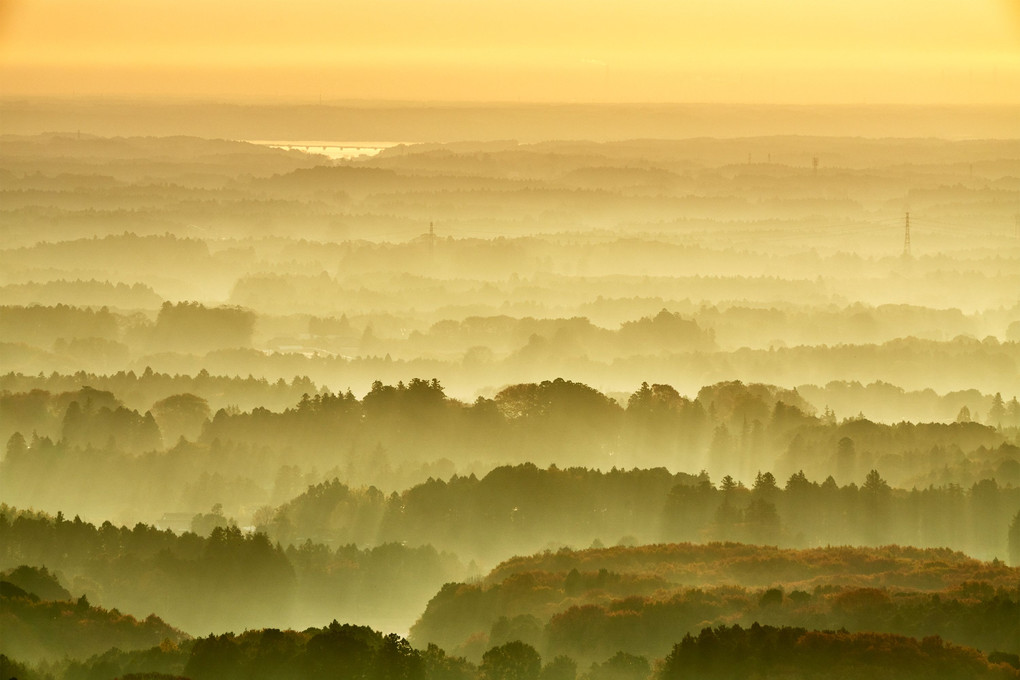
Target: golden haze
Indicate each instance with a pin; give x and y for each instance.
(948, 51)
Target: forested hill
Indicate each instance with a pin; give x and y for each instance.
(522, 509)
(398, 436)
(591, 603)
(40, 623)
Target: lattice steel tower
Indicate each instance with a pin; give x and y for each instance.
(906, 237)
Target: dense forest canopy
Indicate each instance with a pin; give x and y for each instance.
(716, 446)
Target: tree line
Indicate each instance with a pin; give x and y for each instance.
(350, 651)
(521, 509)
(227, 578)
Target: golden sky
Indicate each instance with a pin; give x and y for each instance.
(768, 51)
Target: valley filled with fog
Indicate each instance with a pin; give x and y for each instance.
(576, 400)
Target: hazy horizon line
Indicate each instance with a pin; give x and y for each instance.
(467, 103)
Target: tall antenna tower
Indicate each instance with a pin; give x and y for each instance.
(906, 236)
(432, 239)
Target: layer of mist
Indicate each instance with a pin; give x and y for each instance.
(527, 393)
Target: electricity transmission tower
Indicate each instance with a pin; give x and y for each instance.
(906, 236)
